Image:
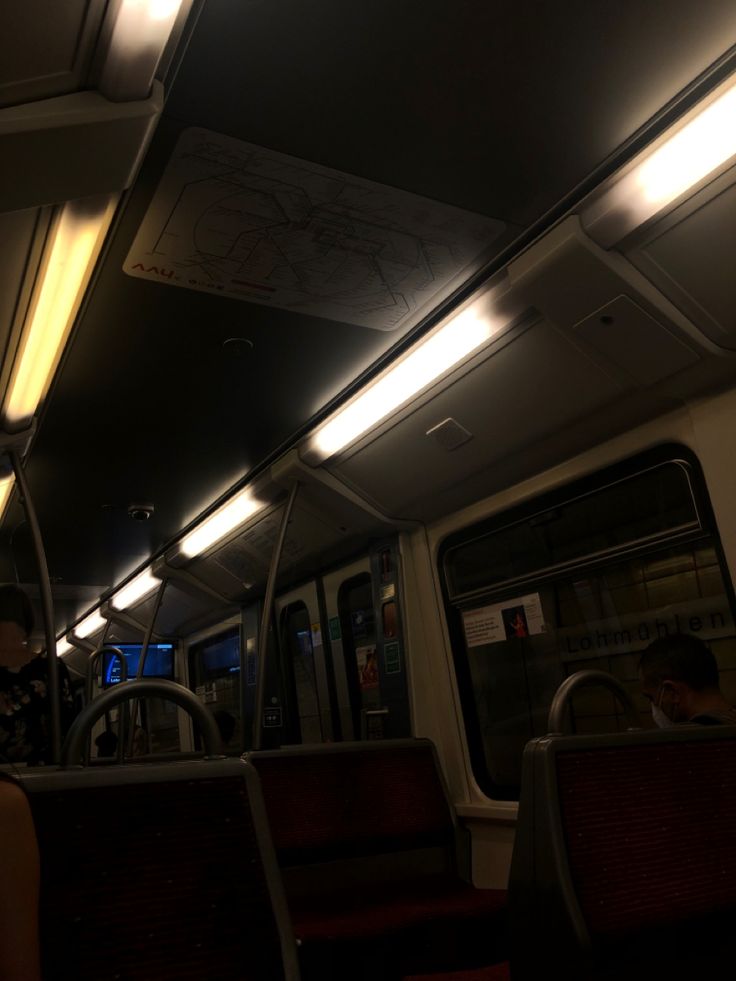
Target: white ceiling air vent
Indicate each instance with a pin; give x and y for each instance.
(449, 434)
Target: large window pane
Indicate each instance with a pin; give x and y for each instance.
(514, 647)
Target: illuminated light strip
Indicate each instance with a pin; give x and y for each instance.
(6, 489)
(659, 176)
(75, 242)
(63, 647)
(143, 585)
(91, 624)
(219, 524)
(695, 151)
(432, 358)
(139, 35)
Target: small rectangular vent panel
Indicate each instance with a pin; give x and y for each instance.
(449, 434)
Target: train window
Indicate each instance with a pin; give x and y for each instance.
(214, 671)
(296, 631)
(654, 504)
(603, 567)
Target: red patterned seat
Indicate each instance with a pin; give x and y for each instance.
(497, 972)
(625, 855)
(368, 846)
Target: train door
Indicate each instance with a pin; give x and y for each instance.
(351, 625)
(215, 675)
(306, 674)
(363, 610)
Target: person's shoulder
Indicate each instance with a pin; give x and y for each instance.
(714, 718)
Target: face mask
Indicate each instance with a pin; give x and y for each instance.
(662, 720)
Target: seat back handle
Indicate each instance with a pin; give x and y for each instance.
(588, 679)
(145, 688)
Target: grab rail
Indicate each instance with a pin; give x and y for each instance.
(147, 688)
(588, 679)
(92, 664)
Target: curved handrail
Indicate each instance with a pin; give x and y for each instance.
(95, 657)
(146, 688)
(587, 679)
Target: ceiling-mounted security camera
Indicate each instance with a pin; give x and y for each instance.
(140, 512)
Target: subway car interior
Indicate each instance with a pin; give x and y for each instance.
(349, 505)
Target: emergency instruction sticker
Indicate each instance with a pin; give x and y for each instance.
(515, 618)
(246, 222)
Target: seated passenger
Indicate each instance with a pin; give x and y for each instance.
(19, 945)
(25, 731)
(679, 676)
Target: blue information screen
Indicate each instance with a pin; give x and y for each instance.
(159, 662)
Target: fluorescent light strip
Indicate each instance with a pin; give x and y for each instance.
(135, 590)
(6, 489)
(75, 242)
(63, 647)
(659, 176)
(695, 151)
(430, 359)
(139, 35)
(219, 524)
(90, 625)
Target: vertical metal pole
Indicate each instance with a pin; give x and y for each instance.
(142, 661)
(266, 619)
(47, 603)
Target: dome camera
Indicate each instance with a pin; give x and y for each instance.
(140, 512)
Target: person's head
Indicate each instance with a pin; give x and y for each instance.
(16, 624)
(676, 671)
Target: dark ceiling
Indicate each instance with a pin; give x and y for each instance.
(501, 108)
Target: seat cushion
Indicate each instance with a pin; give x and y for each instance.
(394, 908)
(497, 972)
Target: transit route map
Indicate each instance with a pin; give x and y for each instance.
(243, 221)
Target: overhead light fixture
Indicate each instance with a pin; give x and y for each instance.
(702, 143)
(63, 647)
(217, 525)
(91, 624)
(431, 358)
(138, 35)
(6, 489)
(143, 585)
(75, 241)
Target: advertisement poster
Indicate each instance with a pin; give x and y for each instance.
(367, 667)
(514, 619)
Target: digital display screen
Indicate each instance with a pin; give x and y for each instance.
(159, 662)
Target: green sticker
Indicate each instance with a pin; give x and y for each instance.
(335, 633)
(391, 658)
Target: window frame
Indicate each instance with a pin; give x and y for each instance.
(455, 604)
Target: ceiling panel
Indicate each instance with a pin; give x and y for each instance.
(522, 394)
(500, 109)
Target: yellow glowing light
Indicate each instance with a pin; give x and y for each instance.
(90, 625)
(140, 33)
(698, 148)
(75, 241)
(137, 588)
(6, 487)
(224, 520)
(431, 359)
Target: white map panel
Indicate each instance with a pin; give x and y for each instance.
(236, 219)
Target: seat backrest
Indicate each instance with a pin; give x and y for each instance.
(159, 871)
(625, 855)
(355, 800)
